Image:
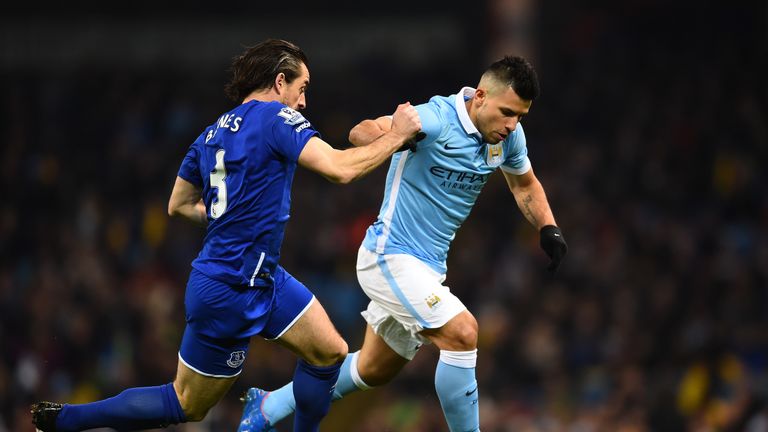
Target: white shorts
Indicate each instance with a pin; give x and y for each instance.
(407, 296)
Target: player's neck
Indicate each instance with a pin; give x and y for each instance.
(268, 95)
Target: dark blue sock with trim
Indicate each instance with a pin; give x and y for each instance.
(312, 388)
(134, 408)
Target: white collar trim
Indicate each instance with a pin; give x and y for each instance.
(461, 110)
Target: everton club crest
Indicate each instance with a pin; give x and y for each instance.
(236, 359)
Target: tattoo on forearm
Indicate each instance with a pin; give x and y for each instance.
(527, 200)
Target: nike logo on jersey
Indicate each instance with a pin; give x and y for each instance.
(450, 147)
(472, 391)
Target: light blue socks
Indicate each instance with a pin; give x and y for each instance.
(456, 387)
(455, 384)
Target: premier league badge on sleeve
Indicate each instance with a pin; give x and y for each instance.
(291, 116)
(294, 118)
(495, 154)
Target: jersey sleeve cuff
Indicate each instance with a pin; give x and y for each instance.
(191, 179)
(524, 168)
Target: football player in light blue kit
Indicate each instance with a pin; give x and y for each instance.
(401, 265)
(236, 180)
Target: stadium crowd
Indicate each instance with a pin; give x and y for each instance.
(650, 145)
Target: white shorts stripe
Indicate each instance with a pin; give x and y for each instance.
(382, 262)
(207, 374)
(301, 314)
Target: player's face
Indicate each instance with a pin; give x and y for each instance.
(499, 112)
(295, 91)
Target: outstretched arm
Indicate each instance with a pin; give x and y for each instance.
(345, 166)
(186, 201)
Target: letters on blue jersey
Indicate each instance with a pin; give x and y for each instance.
(245, 164)
(227, 121)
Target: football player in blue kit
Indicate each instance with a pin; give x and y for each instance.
(236, 180)
(401, 265)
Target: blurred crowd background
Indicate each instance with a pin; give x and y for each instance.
(650, 137)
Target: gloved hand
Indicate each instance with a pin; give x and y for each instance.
(552, 241)
(411, 143)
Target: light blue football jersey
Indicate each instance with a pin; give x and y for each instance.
(429, 193)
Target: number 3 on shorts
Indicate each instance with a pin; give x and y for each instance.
(219, 173)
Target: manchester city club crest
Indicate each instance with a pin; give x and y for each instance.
(236, 359)
(495, 154)
(432, 301)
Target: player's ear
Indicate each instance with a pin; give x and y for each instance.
(480, 95)
(279, 82)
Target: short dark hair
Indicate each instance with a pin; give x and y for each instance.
(257, 67)
(518, 73)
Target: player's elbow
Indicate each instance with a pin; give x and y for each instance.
(341, 170)
(173, 209)
(343, 177)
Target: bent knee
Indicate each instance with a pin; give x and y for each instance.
(465, 339)
(195, 415)
(334, 353)
(459, 334)
(194, 407)
(338, 354)
(193, 412)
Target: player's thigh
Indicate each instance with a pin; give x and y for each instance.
(377, 362)
(314, 338)
(298, 322)
(198, 393)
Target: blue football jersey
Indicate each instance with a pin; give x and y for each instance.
(245, 164)
(429, 193)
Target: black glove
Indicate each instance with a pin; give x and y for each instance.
(552, 241)
(411, 143)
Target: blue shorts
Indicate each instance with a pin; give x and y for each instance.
(221, 319)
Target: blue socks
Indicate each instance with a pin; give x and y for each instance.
(349, 379)
(457, 389)
(135, 408)
(455, 384)
(281, 403)
(312, 391)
